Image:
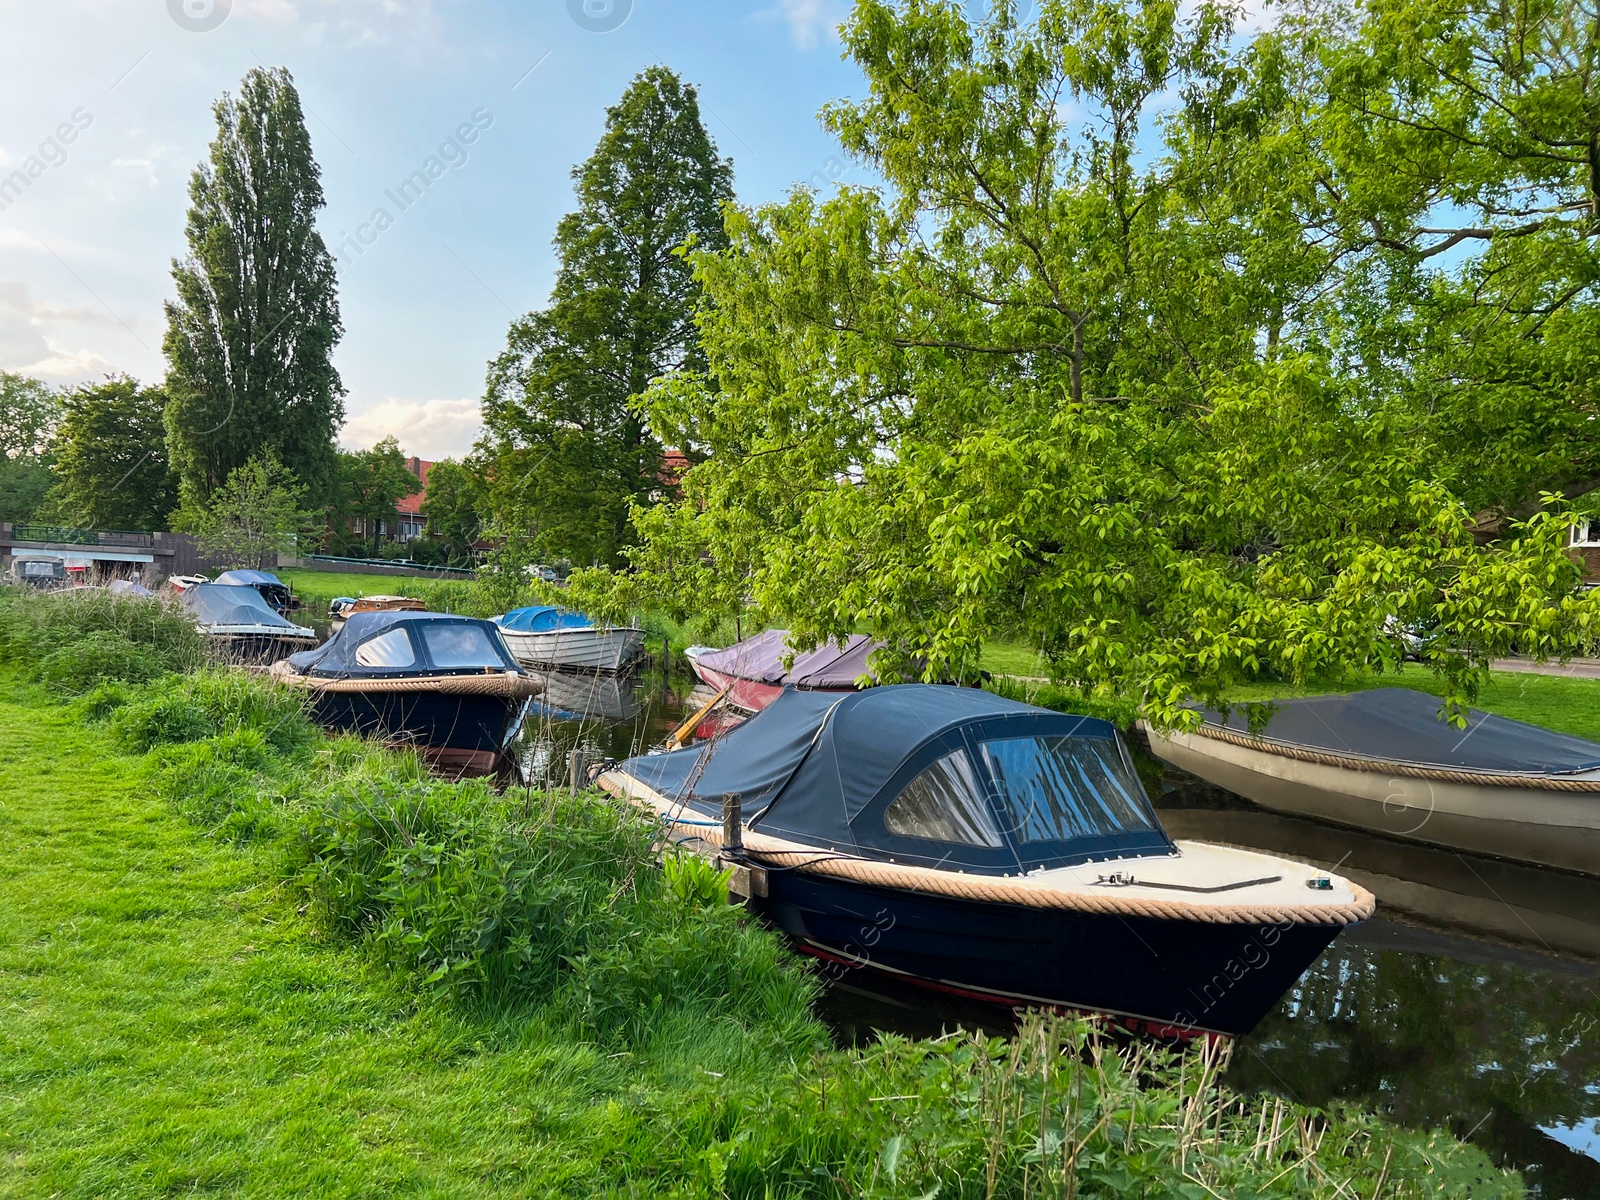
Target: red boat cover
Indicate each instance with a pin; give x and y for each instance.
(830, 667)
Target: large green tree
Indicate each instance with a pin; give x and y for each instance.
(567, 449)
(1118, 358)
(256, 514)
(368, 485)
(455, 508)
(29, 411)
(250, 336)
(111, 457)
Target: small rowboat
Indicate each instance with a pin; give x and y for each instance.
(1383, 761)
(974, 845)
(545, 636)
(443, 684)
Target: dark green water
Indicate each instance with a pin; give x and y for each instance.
(1472, 1002)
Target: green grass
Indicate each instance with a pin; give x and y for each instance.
(316, 589)
(210, 1014)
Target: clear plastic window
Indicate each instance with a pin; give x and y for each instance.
(392, 649)
(1054, 789)
(944, 803)
(460, 646)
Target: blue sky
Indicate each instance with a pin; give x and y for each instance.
(85, 250)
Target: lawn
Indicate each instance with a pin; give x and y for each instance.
(315, 589)
(174, 1023)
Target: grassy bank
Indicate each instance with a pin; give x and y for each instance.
(236, 955)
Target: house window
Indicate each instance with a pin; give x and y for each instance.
(1586, 532)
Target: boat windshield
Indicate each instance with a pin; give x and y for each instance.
(944, 803)
(460, 646)
(1057, 789)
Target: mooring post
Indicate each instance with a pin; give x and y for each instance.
(732, 822)
(666, 659)
(577, 774)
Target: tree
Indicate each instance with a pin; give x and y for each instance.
(567, 451)
(250, 337)
(253, 517)
(111, 457)
(1141, 405)
(454, 508)
(29, 410)
(369, 485)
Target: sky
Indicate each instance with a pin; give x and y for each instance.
(115, 97)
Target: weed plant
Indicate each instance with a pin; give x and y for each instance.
(70, 640)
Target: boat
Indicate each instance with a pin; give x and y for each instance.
(343, 607)
(129, 588)
(989, 849)
(240, 626)
(182, 583)
(273, 590)
(39, 571)
(754, 669)
(587, 696)
(542, 635)
(1384, 761)
(444, 684)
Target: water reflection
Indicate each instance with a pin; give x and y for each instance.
(1472, 1002)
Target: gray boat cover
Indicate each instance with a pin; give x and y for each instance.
(231, 604)
(818, 768)
(830, 666)
(1404, 726)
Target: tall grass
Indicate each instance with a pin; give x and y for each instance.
(71, 640)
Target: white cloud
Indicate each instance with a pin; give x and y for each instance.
(431, 429)
(30, 343)
(811, 22)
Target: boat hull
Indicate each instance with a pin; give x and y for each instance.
(1155, 974)
(434, 721)
(255, 649)
(585, 649)
(1525, 824)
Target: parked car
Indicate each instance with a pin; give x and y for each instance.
(40, 572)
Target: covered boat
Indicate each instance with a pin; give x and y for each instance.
(753, 669)
(542, 635)
(442, 683)
(974, 844)
(240, 625)
(1385, 761)
(273, 590)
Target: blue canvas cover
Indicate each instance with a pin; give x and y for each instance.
(336, 657)
(542, 618)
(1401, 725)
(231, 604)
(823, 768)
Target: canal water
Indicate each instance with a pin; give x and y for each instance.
(1472, 1001)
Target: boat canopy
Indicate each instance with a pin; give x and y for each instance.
(922, 774)
(542, 618)
(380, 645)
(250, 578)
(831, 665)
(128, 587)
(1404, 726)
(232, 604)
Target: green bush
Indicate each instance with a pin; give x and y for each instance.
(210, 703)
(73, 640)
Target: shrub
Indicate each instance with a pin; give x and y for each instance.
(212, 703)
(74, 640)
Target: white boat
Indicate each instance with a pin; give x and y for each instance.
(241, 626)
(544, 636)
(1383, 761)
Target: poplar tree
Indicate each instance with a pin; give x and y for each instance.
(568, 450)
(250, 336)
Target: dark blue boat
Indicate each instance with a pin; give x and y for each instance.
(992, 849)
(445, 684)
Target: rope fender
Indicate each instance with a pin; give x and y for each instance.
(516, 687)
(779, 852)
